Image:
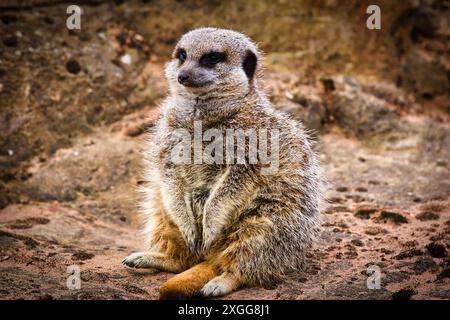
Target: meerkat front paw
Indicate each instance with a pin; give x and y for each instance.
(138, 260)
(220, 286)
(154, 260)
(214, 289)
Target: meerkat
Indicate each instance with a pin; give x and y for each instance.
(225, 226)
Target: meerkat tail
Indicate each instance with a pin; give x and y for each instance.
(188, 283)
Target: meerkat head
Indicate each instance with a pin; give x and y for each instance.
(213, 62)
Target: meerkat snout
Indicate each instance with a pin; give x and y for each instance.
(183, 77)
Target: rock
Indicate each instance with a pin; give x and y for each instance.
(309, 110)
(82, 255)
(362, 115)
(365, 212)
(424, 74)
(336, 200)
(305, 104)
(134, 289)
(11, 41)
(426, 24)
(395, 277)
(335, 209)
(87, 171)
(392, 216)
(444, 274)
(328, 84)
(404, 294)
(373, 231)
(423, 264)
(28, 223)
(73, 66)
(357, 242)
(388, 92)
(30, 242)
(408, 254)
(427, 216)
(437, 250)
(355, 198)
(126, 59)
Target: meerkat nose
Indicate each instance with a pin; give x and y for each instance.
(183, 77)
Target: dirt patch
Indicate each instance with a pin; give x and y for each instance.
(82, 255)
(28, 223)
(30, 242)
(373, 231)
(437, 250)
(394, 217)
(444, 274)
(365, 212)
(427, 216)
(404, 294)
(409, 254)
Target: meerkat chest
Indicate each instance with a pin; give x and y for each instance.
(185, 171)
(198, 181)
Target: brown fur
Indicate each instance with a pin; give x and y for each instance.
(188, 283)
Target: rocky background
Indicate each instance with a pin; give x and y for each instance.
(75, 105)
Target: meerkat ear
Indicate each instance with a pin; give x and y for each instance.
(249, 64)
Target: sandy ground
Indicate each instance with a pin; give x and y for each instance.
(385, 210)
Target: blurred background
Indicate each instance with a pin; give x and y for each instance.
(75, 104)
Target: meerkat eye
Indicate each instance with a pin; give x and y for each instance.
(212, 58)
(181, 55)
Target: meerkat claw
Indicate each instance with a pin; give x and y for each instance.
(136, 260)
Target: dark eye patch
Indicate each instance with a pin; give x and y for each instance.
(249, 64)
(212, 58)
(181, 55)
